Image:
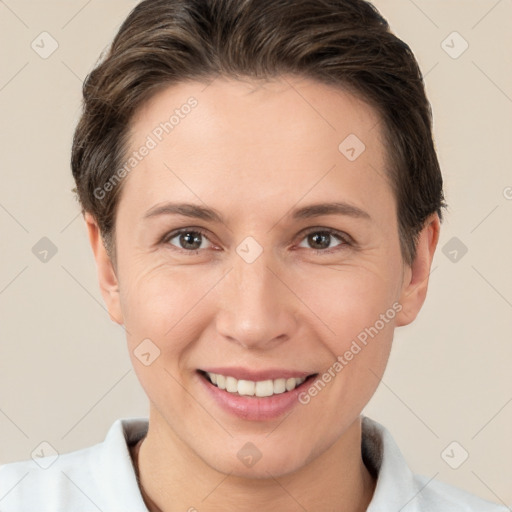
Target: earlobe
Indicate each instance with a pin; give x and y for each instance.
(416, 276)
(107, 278)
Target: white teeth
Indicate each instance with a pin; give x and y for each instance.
(261, 388)
(279, 385)
(231, 384)
(290, 384)
(221, 381)
(245, 387)
(264, 388)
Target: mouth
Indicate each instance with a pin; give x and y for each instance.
(256, 388)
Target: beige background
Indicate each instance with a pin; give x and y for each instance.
(65, 375)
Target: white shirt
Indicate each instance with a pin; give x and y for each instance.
(102, 478)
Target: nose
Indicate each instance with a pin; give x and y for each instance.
(257, 309)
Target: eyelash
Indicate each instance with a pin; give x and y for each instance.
(346, 240)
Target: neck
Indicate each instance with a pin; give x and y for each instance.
(171, 480)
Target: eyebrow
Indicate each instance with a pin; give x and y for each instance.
(210, 214)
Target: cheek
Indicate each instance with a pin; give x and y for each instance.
(172, 306)
(357, 307)
(349, 300)
(156, 302)
(163, 305)
(362, 315)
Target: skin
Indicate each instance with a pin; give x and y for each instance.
(255, 151)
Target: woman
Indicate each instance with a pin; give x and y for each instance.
(263, 200)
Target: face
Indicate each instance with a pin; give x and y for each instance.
(285, 264)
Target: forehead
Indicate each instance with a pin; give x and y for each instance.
(255, 140)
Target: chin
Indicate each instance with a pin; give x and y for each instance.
(244, 460)
(260, 470)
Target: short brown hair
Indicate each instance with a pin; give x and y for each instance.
(343, 43)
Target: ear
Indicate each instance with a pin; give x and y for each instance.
(416, 275)
(106, 275)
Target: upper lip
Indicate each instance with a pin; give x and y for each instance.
(257, 375)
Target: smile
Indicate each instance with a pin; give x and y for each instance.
(254, 395)
(261, 388)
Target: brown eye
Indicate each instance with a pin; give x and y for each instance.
(188, 240)
(320, 240)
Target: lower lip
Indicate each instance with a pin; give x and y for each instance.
(254, 408)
